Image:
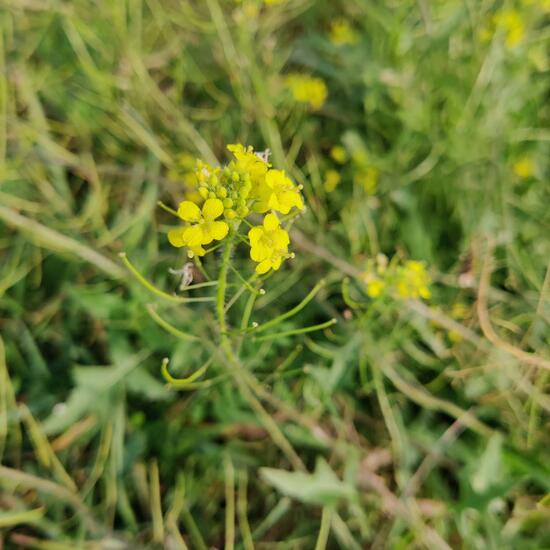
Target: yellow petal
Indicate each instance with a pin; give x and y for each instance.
(275, 179)
(281, 239)
(255, 234)
(271, 222)
(219, 230)
(261, 206)
(276, 264)
(259, 253)
(274, 204)
(212, 209)
(189, 211)
(175, 237)
(263, 267)
(196, 251)
(193, 236)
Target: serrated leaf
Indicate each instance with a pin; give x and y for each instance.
(322, 488)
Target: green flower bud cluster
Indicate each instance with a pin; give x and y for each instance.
(229, 184)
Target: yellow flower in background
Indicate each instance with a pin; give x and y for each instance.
(205, 228)
(332, 179)
(459, 311)
(338, 154)
(511, 24)
(523, 167)
(278, 193)
(413, 280)
(400, 280)
(307, 89)
(268, 244)
(375, 287)
(341, 32)
(367, 178)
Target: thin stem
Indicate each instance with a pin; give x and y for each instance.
(166, 208)
(324, 530)
(313, 328)
(229, 504)
(152, 288)
(236, 369)
(168, 327)
(181, 383)
(294, 310)
(242, 511)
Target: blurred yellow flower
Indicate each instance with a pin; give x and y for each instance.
(459, 310)
(268, 244)
(307, 89)
(523, 167)
(511, 23)
(332, 179)
(375, 288)
(339, 154)
(367, 178)
(413, 280)
(341, 32)
(399, 280)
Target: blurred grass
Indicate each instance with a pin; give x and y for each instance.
(413, 436)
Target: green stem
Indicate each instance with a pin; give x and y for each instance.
(313, 328)
(236, 369)
(324, 531)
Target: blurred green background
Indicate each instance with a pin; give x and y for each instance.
(421, 424)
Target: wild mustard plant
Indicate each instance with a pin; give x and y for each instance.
(248, 201)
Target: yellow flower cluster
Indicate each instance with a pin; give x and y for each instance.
(341, 33)
(307, 89)
(413, 280)
(229, 194)
(398, 279)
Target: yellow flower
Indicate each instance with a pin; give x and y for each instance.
(342, 33)
(523, 167)
(413, 280)
(454, 336)
(511, 23)
(268, 244)
(459, 311)
(367, 178)
(205, 228)
(338, 154)
(249, 162)
(307, 89)
(278, 193)
(332, 179)
(375, 288)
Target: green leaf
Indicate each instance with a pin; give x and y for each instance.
(490, 466)
(322, 488)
